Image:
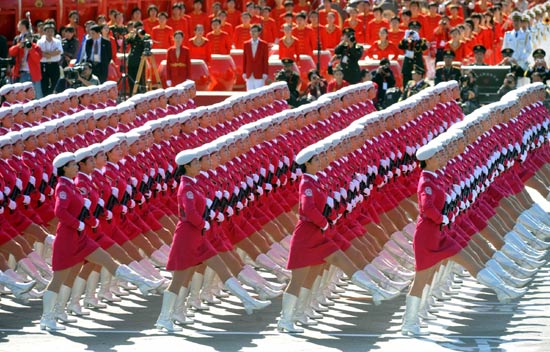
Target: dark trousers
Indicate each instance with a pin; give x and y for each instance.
(50, 76)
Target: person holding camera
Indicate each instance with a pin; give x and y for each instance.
(383, 77)
(350, 53)
(98, 52)
(52, 50)
(539, 65)
(78, 76)
(136, 39)
(27, 61)
(316, 87)
(468, 93)
(414, 47)
(508, 85)
(508, 60)
(86, 76)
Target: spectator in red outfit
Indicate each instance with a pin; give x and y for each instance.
(199, 47)
(242, 32)
(162, 34)
(395, 33)
(270, 31)
(220, 42)
(198, 16)
(332, 35)
(430, 21)
(373, 27)
(178, 21)
(338, 82)
(178, 61)
(305, 35)
(233, 15)
(382, 47)
(152, 21)
(288, 44)
(355, 23)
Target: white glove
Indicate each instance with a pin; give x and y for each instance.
(145, 178)
(240, 205)
(256, 178)
(173, 184)
(169, 83)
(244, 76)
(96, 224)
(81, 226)
(129, 190)
(219, 194)
(227, 195)
(19, 184)
(12, 205)
(1, 210)
(220, 217)
(114, 192)
(131, 204)
(212, 214)
(124, 210)
(229, 211)
(249, 182)
(87, 203)
(278, 183)
(42, 198)
(260, 191)
(141, 200)
(206, 226)
(330, 202)
(45, 177)
(158, 187)
(164, 187)
(349, 207)
(445, 220)
(32, 180)
(1, 196)
(151, 172)
(133, 180)
(325, 228)
(251, 197)
(268, 187)
(170, 169)
(101, 202)
(109, 215)
(7, 190)
(26, 200)
(162, 173)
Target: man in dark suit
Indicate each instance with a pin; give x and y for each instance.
(255, 59)
(447, 72)
(416, 84)
(98, 53)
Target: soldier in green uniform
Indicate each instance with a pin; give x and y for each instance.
(539, 65)
(416, 84)
(479, 55)
(136, 39)
(447, 72)
(292, 79)
(413, 47)
(350, 53)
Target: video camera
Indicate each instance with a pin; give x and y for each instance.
(6, 62)
(119, 31)
(72, 73)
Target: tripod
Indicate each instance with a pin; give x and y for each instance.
(124, 78)
(147, 58)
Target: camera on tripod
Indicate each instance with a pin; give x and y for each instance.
(147, 46)
(119, 31)
(72, 73)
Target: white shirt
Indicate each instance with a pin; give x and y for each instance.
(49, 46)
(254, 47)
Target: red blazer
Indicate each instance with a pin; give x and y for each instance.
(178, 69)
(256, 65)
(35, 54)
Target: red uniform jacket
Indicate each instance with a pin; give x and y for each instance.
(256, 65)
(178, 68)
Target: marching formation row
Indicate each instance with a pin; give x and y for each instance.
(212, 194)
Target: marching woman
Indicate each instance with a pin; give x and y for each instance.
(190, 247)
(72, 246)
(433, 245)
(310, 246)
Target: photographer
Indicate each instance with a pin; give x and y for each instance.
(78, 76)
(292, 79)
(349, 52)
(539, 65)
(508, 85)
(508, 60)
(136, 39)
(27, 62)
(383, 77)
(468, 94)
(413, 47)
(316, 87)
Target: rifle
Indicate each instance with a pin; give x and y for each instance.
(84, 214)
